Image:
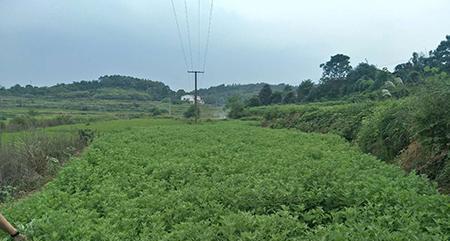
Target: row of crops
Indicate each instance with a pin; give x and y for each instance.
(230, 181)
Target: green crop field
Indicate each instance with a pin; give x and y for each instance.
(168, 180)
(85, 109)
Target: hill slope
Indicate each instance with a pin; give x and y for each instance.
(106, 87)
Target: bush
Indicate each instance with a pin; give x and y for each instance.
(22, 122)
(387, 131)
(432, 121)
(191, 112)
(342, 119)
(413, 132)
(28, 162)
(236, 107)
(155, 111)
(86, 136)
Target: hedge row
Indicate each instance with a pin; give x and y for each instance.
(413, 132)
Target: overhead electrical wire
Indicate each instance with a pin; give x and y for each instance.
(199, 41)
(180, 36)
(188, 29)
(186, 45)
(208, 34)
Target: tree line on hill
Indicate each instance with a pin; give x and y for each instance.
(106, 87)
(341, 81)
(218, 95)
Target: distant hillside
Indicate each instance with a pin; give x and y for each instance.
(218, 95)
(106, 87)
(117, 87)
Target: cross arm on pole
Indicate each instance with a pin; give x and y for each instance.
(195, 72)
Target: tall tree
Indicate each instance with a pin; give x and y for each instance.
(442, 55)
(304, 89)
(253, 101)
(360, 78)
(337, 68)
(277, 97)
(235, 106)
(335, 72)
(265, 95)
(290, 98)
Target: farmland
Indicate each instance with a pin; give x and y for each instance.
(85, 110)
(229, 180)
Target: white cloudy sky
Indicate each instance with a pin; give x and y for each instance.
(52, 41)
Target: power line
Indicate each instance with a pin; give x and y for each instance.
(179, 34)
(199, 34)
(209, 34)
(188, 32)
(188, 54)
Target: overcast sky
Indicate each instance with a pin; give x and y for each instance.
(45, 42)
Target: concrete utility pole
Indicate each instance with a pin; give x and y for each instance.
(196, 72)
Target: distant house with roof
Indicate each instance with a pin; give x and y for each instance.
(191, 99)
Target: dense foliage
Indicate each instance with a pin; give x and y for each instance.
(106, 87)
(218, 95)
(341, 119)
(231, 181)
(413, 131)
(29, 161)
(341, 81)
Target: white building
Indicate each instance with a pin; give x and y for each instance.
(191, 99)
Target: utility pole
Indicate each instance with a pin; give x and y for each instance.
(196, 72)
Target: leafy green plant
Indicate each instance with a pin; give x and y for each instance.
(192, 112)
(388, 131)
(164, 180)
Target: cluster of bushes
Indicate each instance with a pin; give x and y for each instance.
(342, 119)
(30, 161)
(121, 94)
(26, 122)
(413, 132)
(192, 112)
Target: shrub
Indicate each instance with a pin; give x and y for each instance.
(191, 112)
(28, 162)
(388, 130)
(432, 120)
(342, 119)
(236, 107)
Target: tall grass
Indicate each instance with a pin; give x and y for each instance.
(27, 162)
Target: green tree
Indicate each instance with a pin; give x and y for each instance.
(334, 75)
(253, 101)
(304, 89)
(337, 68)
(236, 107)
(190, 112)
(265, 95)
(276, 98)
(360, 78)
(290, 98)
(441, 55)
(382, 77)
